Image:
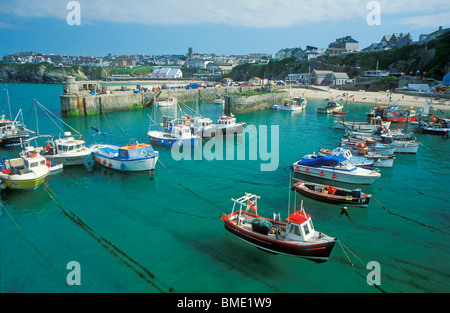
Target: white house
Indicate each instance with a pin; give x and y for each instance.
(166, 72)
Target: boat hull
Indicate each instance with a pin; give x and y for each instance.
(68, 160)
(137, 165)
(319, 252)
(359, 126)
(401, 119)
(161, 139)
(328, 173)
(347, 200)
(23, 182)
(233, 130)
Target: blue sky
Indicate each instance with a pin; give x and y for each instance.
(209, 26)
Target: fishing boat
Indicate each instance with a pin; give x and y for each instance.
(332, 194)
(229, 126)
(173, 132)
(331, 107)
(371, 144)
(66, 150)
(12, 132)
(165, 103)
(27, 172)
(403, 143)
(295, 237)
(404, 116)
(133, 157)
(439, 126)
(371, 124)
(335, 168)
(294, 104)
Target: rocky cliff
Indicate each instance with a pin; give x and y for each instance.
(47, 73)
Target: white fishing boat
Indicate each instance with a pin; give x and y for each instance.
(294, 104)
(27, 172)
(171, 101)
(229, 126)
(371, 124)
(203, 127)
(66, 150)
(336, 168)
(133, 157)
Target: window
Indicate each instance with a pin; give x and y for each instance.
(123, 153)
(294, 230)
(34, 164)
(306, 229)
(71, 148)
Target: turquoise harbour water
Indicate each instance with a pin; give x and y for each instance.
(171, 224)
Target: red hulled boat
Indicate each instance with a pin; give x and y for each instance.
(295, 237)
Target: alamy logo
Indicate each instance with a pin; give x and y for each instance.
(374, 16)
(74, 16)
(374, 277)
(254, 142)
(74, 276)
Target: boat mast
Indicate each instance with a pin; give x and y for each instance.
(9, 104)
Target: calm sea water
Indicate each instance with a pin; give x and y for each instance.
(170, 224)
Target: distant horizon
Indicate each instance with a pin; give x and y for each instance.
(170, 27)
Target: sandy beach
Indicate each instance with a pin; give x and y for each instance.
(376, 98)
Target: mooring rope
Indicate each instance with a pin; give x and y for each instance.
(188, 189)
(344, 249)
(107, 244)
(28, 240)
(409, 219)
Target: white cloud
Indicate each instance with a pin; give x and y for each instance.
(252, 13)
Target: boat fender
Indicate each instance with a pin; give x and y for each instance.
(321, 174)
(104, 162)
(307, 171)
(109, 164)
(334, 176)
(297, 169)
(98, 160)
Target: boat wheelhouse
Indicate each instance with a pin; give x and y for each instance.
(296, 237)
(229, 126)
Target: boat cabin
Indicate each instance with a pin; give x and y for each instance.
(342, 152)
(26, 163)
(299, 226)
(181, 131)
(136, 151)
(225, 121)
(202, 123)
